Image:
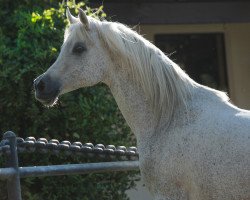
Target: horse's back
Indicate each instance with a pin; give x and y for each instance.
(221, 153)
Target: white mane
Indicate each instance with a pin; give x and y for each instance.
(163, 82)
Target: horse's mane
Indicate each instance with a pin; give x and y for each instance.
(165, 84)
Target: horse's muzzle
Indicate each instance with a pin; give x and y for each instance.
(46, 89)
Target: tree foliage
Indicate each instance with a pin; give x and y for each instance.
(31, 34)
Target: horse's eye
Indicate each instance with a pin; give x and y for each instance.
(79, 48)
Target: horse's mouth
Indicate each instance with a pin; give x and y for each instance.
(47, 99)
(48, 102)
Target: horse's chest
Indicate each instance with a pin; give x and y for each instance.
(149, 160)
(161, 164)
(148, 166)
(153, 165)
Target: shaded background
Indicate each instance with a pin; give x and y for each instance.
(31, 34)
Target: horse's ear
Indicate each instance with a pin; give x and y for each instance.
(83, 18)
(70, 17)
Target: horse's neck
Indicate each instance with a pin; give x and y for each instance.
(133, 104)
(135, 108)
(139, 115)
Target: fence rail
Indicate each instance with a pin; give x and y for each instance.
(10, 146)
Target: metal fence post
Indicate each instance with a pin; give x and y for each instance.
(13, 184)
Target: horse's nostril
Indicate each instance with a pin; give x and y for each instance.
(40, 85)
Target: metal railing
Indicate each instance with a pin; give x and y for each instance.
(120, 159)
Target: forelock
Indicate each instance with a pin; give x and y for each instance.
(76, 30)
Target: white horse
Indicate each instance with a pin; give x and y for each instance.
(193, 143)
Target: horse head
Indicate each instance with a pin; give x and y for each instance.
(82, 61)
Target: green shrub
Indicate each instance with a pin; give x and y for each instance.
(30, 39)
